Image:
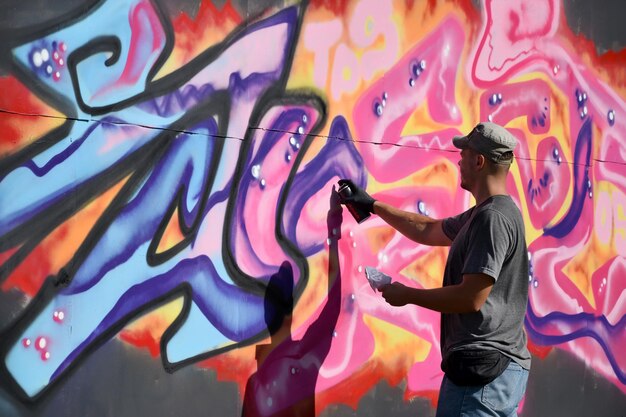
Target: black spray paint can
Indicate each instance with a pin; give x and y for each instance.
(359, 215)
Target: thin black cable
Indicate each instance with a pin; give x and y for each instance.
(369, 142)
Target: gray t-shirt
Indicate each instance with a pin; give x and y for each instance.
(489, 239)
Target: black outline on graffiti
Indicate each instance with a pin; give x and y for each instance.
(137, 167)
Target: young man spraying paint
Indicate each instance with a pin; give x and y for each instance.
(485, 284)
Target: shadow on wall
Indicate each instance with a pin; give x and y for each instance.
(287, 369)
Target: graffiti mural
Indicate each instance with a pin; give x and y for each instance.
(166, 177)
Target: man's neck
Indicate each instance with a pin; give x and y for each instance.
(488, 190)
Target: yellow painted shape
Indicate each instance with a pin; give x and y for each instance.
(379, 237)
(581, 267)
(428, 269)
(609, 216)
(63, 243)
(346, 73)
(421, 122)
(595, 253)
(399, 347)
(172, 234)
(156, 321)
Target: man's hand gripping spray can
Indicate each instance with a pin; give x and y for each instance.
(359, 215)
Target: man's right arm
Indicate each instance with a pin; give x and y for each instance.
(419, 228)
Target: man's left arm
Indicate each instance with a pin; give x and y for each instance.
(466, 297)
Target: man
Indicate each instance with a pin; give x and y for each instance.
(485, 283)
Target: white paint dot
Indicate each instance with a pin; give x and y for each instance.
(37, 61)
(42, 343)
(45, 55)
(255, 171)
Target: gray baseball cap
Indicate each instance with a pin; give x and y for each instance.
(489, 139)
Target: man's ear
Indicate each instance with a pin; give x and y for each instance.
(480, 160)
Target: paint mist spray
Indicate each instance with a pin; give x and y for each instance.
(359, 215)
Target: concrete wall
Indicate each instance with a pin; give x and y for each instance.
(161, 161)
